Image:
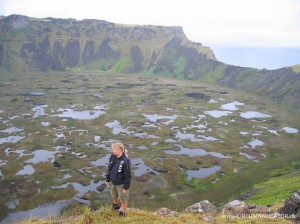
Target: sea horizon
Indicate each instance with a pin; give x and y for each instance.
(258, 57)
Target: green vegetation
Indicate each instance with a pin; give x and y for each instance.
(179, 65)
(281, 185)
(85, 214)
(100, 65)
(123, 64)
(287, 169)
(214, 75)
(128, 98)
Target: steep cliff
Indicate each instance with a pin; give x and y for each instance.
(30, 44)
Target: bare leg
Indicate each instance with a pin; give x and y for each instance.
(124, 206)
(116, 200)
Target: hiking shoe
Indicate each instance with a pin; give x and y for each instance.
(115, 207)
(121, 214)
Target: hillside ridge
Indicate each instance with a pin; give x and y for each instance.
(31, 44)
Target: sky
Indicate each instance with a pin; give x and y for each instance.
(219, 24)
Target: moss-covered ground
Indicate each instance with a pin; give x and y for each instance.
(182, 110)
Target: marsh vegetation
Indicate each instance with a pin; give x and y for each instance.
(188, 141)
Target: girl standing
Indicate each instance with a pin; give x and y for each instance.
(118, 177)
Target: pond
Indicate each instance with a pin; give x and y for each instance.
(80, 115)
(11, 139)
(41, 156)
(39, 110)
(255, 142)
(232, 106)
(194, 152)
(27, 170)
(82, 189)
(217, 113)
(117, 128)
(140, 168)
(155, 118)
(254, 114)
(34, 93)
(69, 137)
(45, 211)
(202, 172)
(290, 130)
(11, 130)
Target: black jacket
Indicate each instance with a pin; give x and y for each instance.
(119, 171)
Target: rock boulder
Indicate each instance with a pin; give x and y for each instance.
(202, 207)
(291, 205)
(165, 212)
(236, 207)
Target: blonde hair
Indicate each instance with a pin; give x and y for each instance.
(120, 147)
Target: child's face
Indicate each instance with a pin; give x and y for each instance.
(116, 152)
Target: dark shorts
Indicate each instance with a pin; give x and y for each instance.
(116, 192)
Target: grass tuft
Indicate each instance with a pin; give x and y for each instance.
(107, 216)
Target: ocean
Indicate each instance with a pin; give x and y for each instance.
(268, 58)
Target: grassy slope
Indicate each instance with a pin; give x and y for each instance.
(282, 184)
(105, 215)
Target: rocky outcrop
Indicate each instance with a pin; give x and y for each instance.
(166, 212)
(255, 209)
(202, 207)
(142, 33)
(30, 44)
(16, 22)
(291, 205)
(233, 209)
(236, 207)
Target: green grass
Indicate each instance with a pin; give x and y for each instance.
(294, 166)
(282, 184)
(122, 64)
(214, 75)
(84, 214)
(100, 65)
(179, 65)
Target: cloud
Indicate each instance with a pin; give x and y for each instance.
(266, 23)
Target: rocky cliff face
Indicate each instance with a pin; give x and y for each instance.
(29, 44)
